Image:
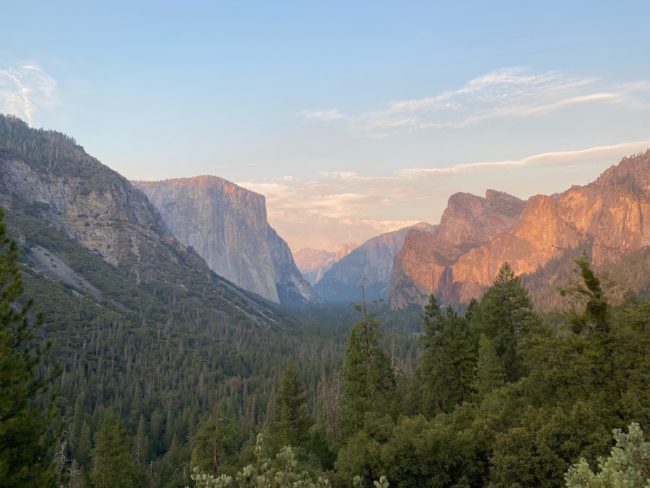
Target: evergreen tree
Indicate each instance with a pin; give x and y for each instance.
(627, 465)
(141, 443)
(84, 445)
(490, 372)
(368, 382)
(23, 422)
(290, 422)
(504, 314)
(113, 464)
(216, 439)
(596, 314)
(445, 371)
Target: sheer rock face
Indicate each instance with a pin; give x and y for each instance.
(370, 263)
(610, 216)
(425, 262)
(314, 263)
(469, 220)
(227, 226)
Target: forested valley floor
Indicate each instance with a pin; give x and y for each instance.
(496, 394)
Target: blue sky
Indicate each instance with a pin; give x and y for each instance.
(352, 117)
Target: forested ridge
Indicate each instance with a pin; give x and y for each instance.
(495, 395)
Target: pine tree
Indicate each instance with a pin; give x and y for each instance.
(23, 423)
(215, 440)
(113, 464)
(84, 446)
(490, 372)
(368, 381)
(445, 369)
(141, 443)
(596, 315)
(504, 314)
(290, 422)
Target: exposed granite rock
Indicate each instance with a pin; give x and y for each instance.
(227, 226)
(371, 262)
(425, 261)
(610, 217)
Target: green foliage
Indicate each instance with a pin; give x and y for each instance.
(368, 381)
(361, 455)
(628, 464)
(503, 315)
(24, 444)
(568, 388)
(490, 372)
(290, 422)
(283, 471)
(215, 444)
(113, 464)
(538, 449)
(596, 315)
(446, 367)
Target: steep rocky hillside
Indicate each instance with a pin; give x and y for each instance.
(49, 183)
(227, 226)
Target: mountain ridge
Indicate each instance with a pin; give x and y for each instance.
(609, 216)
(49, 180)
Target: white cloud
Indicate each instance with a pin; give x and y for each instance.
(508, 92)
(548, 158)
(26, 89)
(340, 207)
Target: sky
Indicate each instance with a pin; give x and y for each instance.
(353, 118)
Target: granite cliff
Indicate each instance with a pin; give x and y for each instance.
(425, 261)
(370, 263)
(608, 218)
(227, 226)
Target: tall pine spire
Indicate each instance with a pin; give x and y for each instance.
(23, 446)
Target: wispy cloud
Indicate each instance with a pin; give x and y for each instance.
(508, 92)
(547, 159)
(324, 115)
(25, 89)
(339, 207)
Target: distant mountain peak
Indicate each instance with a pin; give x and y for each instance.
(314, 263)
(372, 261)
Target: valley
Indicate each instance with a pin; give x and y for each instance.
(179, 321)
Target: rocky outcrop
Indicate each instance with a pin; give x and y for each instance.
(370, 264)
(425, 262)
(227, 226)
(610, 217)
(314, 263)
(46, 177)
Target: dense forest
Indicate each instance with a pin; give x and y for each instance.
(495, 395)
